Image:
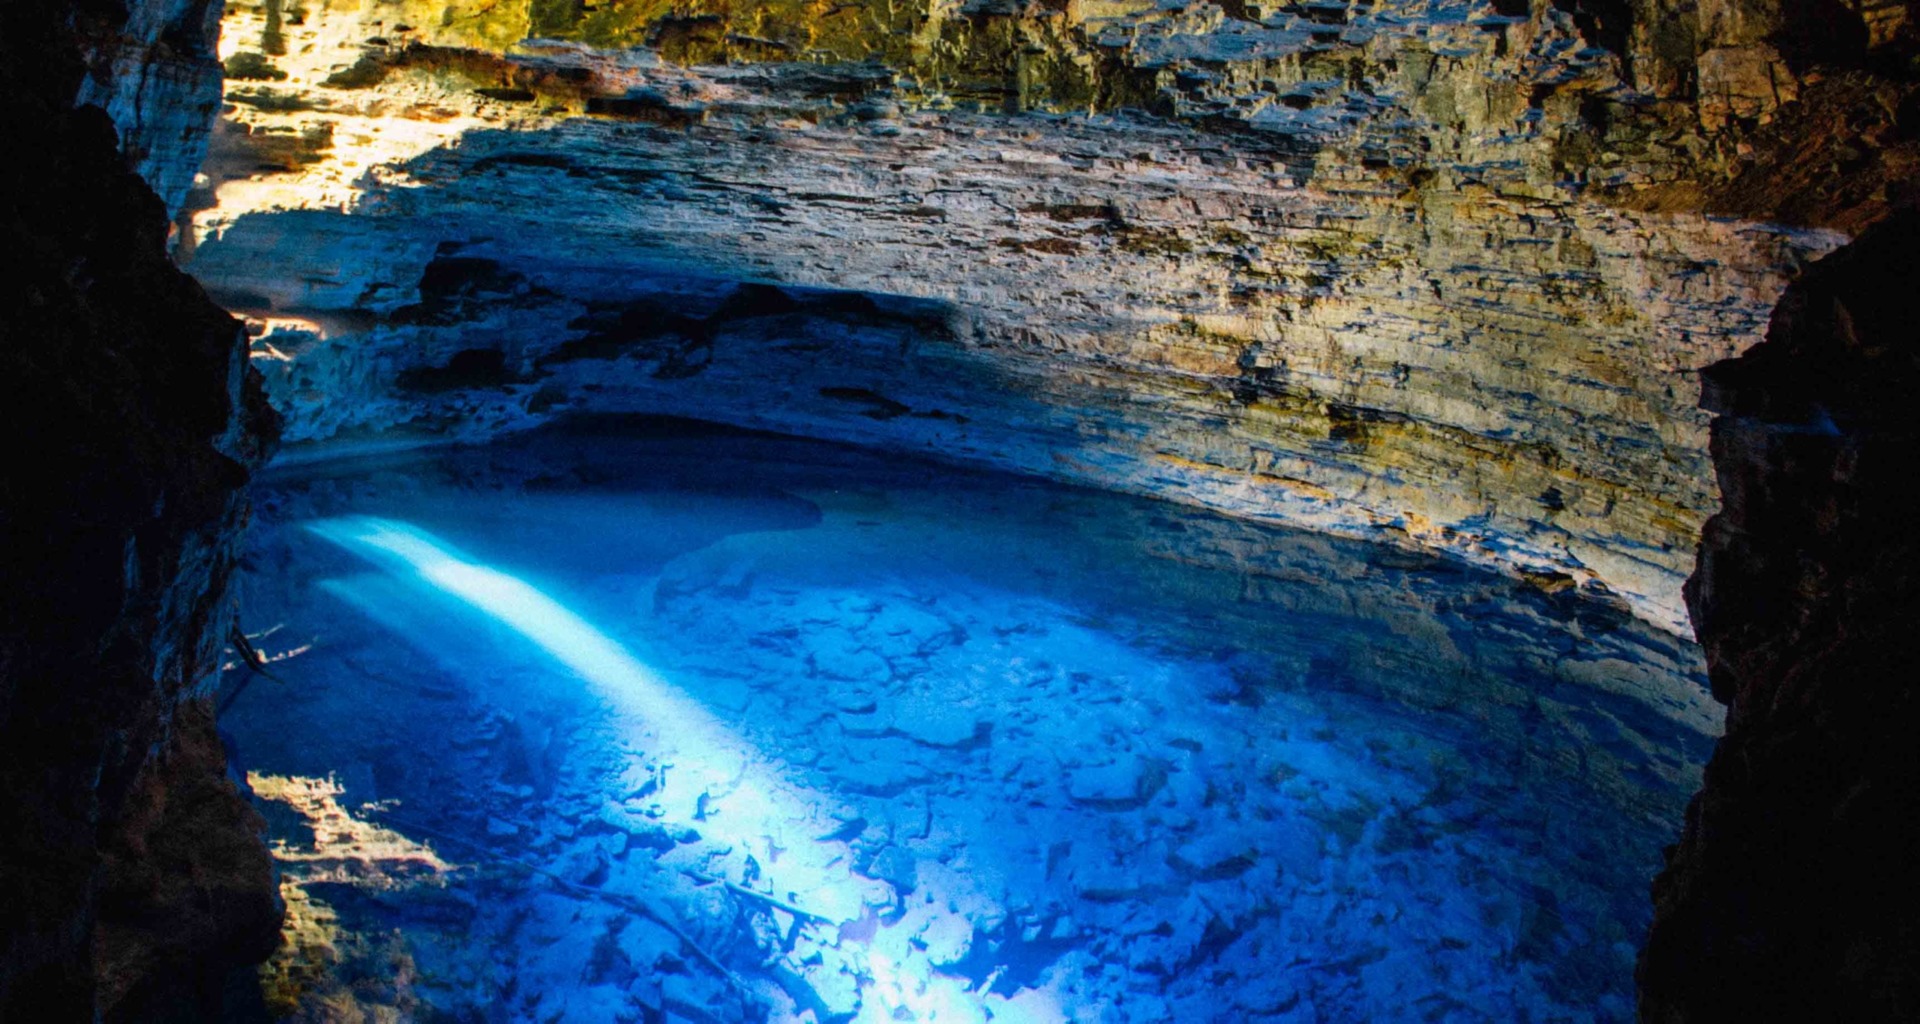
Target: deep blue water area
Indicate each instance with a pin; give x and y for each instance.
(648, 721)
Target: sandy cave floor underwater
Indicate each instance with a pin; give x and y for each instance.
(649, 721)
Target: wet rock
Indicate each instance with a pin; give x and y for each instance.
(1094, 903)
(947, 939)
(640, 831)
(864, 724)
(1099, 880)
(896, 866)
(1119, 785)
(854, 702)
(728, 695)
(850, 662)
(588, 867)
(1212, 857)
(595, 1004)
(885, 774)
(835, 986)
(903, 632)
(939, 723)
(1028, 1006)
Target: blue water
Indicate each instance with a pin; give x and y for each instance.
(654, 722)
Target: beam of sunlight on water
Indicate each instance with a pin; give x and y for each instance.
(554, 628)
(718, 784)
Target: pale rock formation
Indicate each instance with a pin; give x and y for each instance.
(1351, 273)
(156, 76)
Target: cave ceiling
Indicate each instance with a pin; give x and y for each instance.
(1435, 273)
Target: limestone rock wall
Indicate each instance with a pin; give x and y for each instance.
(134, 877)
(1367, 270)
(1792, 894)
(151, 66)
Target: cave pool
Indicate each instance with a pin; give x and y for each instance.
(641, 720)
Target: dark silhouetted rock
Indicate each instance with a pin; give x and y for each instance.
(1794, 894)
(132, 875)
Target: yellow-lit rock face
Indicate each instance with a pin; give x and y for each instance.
(320, 958)
(1350, 270)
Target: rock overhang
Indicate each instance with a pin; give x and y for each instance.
(1378, 270)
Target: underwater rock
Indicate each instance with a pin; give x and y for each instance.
(883, 771)
(1391, 777)
(850, 661)
(947, 939)
(1212, 856)
(835, 986)
(896, 866)
(938, 722)
(1119, 785)
(864, 720)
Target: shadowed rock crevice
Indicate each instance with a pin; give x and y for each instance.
(131, 865)
(1793, 895)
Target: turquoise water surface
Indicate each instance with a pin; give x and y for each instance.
(651, 721)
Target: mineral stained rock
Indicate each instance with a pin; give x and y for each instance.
(1405, 271)
(1793, 895)
(134, 878)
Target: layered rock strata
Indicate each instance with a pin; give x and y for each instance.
(1284, 366)
(134, 878)
(151, 66)
(1394, 271)
(1793, 895)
